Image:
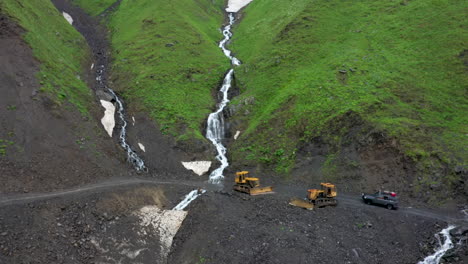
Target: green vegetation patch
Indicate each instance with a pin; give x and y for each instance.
(94, 7)
(57, 46)
(4, 144)
(400, 65)
(166, 60)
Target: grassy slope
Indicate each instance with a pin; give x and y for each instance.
(403, 73)
(174, 84)
(57, 46)
(94, 7)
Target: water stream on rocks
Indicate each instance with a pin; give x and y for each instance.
(215, 123)
(132, 156)
(98, 44)
(443, 247)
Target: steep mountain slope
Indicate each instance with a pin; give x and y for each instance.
(51, 138)
(50, 134)
(166, 61)
(371, 93)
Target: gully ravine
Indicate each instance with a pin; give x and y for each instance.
(215, 123)
(95, 36)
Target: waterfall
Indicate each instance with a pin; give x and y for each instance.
(215, 122)
(443, 247)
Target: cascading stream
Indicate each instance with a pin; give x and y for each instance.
(215, 123)
(132, 157)
(95, 36)
(227, 36)
(443, 247)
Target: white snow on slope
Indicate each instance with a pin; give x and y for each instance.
(108, 120)
(68, 18)
(236, 5)
(142, 147)
(199, 167)
(165, 222)
(236, 135)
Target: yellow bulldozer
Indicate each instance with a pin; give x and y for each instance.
(317, 197)
(249, 185)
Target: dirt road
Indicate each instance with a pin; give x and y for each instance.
(282, 193)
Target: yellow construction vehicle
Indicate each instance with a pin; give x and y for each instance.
(317, 198)
(249, 185)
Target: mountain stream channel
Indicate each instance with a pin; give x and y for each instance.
(95, 36)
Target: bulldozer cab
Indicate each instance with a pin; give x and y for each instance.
(328, 189)
(242, 177)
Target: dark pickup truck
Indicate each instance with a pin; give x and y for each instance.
(383, 198)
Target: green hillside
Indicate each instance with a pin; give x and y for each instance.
(398, 65)
(166, 60)
(60, 49)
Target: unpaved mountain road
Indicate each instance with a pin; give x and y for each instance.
(285, 192)
(93, 188)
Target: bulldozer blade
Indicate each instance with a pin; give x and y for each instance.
(301, 203)
(261, 190)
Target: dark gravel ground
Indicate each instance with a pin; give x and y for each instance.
(236, 228)
(85, 228)
(222, 226)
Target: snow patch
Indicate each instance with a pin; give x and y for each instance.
(236, 5)
(141, 147)
(165, 222)
(133, 119)
(98, 246)
(68, 18)
(114, 246)
(199, 167)
(132, 254)
(108, 120)
(92, 66)
(236, 135)
(189, 198)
